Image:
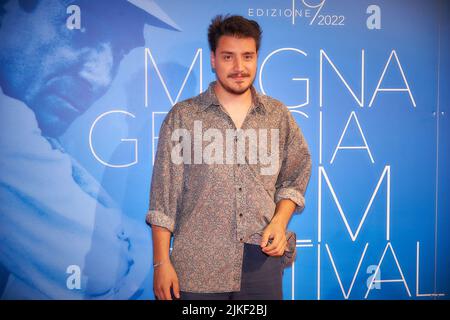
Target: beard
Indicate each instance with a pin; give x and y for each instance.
(236, 91)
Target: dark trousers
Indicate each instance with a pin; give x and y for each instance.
(261, 279)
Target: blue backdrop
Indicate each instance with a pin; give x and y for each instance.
(85, 86)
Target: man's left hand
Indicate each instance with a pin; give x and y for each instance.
(277, 243)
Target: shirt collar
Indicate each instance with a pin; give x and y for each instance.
(209, 98)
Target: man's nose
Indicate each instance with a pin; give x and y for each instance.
(238, 64)
(98, 65)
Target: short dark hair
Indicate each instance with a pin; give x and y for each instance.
(233, 25)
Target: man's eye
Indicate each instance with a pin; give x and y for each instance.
(227, 58)
(249, 57)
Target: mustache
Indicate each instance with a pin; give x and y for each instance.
(235, 75)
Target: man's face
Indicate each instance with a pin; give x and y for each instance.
(235, 63)
(59, 72)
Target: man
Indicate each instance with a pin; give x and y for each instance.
(228, 211)
(62, 236)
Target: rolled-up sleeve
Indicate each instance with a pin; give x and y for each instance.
(167, 178)
(295, 168)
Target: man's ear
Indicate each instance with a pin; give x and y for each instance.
(213, 60)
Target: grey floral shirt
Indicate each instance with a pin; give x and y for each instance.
(219, 197)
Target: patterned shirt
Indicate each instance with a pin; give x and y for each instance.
(219, 197)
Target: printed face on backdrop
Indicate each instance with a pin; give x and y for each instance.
(60, 71)
(235, 63)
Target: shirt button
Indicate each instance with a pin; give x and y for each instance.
(240, 214)
(240, 189)
(242, 239)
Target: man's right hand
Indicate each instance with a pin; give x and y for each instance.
(165, 278)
